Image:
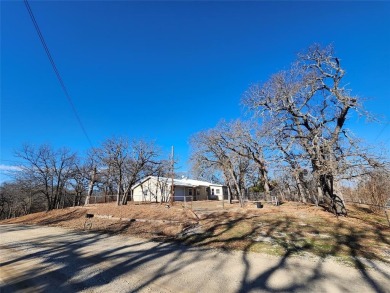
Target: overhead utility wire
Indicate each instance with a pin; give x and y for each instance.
(57, 72)
(382, 130)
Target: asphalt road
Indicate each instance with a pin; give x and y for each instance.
(51, 259)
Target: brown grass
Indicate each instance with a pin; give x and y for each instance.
(292, 228)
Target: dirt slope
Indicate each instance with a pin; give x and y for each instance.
(288, 229)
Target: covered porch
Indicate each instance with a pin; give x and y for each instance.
(191, 193)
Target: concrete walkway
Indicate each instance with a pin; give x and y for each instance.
(51, 259)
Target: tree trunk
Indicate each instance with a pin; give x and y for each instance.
(301, 189)
(90, 186)
(266, 184)
(320, 196)
(118, 192)
(124, 197)
(30, 203)
(118, 196)
(338, 199)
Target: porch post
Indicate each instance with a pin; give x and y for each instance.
(223, 199)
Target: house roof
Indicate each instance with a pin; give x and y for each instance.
(178, 182)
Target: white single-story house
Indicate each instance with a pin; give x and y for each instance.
(158, 189)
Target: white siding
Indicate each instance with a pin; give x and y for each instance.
(150, 190)
(154, 189)
(218, 191)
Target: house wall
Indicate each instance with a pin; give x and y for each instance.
(155, 190)
(217, 192)
(201, 193)
(151, 190)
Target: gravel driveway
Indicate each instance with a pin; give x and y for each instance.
(51, 259)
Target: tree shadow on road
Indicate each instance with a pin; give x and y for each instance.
(75, 265)
(342, 241)
(65, 257)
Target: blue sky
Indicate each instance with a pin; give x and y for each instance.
(166, 70)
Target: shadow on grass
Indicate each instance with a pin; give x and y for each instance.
(73, 214)
(340, 240)
(70, 257)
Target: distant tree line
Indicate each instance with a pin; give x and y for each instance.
(55, 178)
(296, 135)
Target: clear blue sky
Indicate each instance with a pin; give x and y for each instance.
(165, 70)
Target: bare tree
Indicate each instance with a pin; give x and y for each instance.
(245, 139)
(88, 171)
(209, 153)
(141, 162)
(374, 189)
(124, 162)
(294, 165)
(78, 184)
(309, 104)
(84, 178)
(48, 171)
(105, 182)
(14, 202)
(113, 155)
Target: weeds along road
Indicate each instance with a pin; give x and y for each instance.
(51, 259)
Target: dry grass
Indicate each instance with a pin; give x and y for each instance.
(288, 229)
(297, 229)
(154, 220)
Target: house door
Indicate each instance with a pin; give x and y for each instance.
(191, 194)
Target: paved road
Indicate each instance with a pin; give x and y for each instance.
(50, 259)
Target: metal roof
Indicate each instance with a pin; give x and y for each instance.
(178, 182)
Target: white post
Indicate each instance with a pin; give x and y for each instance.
(223, 200)
(185, 199)
(172, 175)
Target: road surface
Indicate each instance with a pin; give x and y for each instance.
(52, 259)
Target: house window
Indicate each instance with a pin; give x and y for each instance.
(145, 192)
(212, 191)
(217, 191)
(190, 191)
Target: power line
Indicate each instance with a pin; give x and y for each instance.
(57, 72)
(382, 130)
